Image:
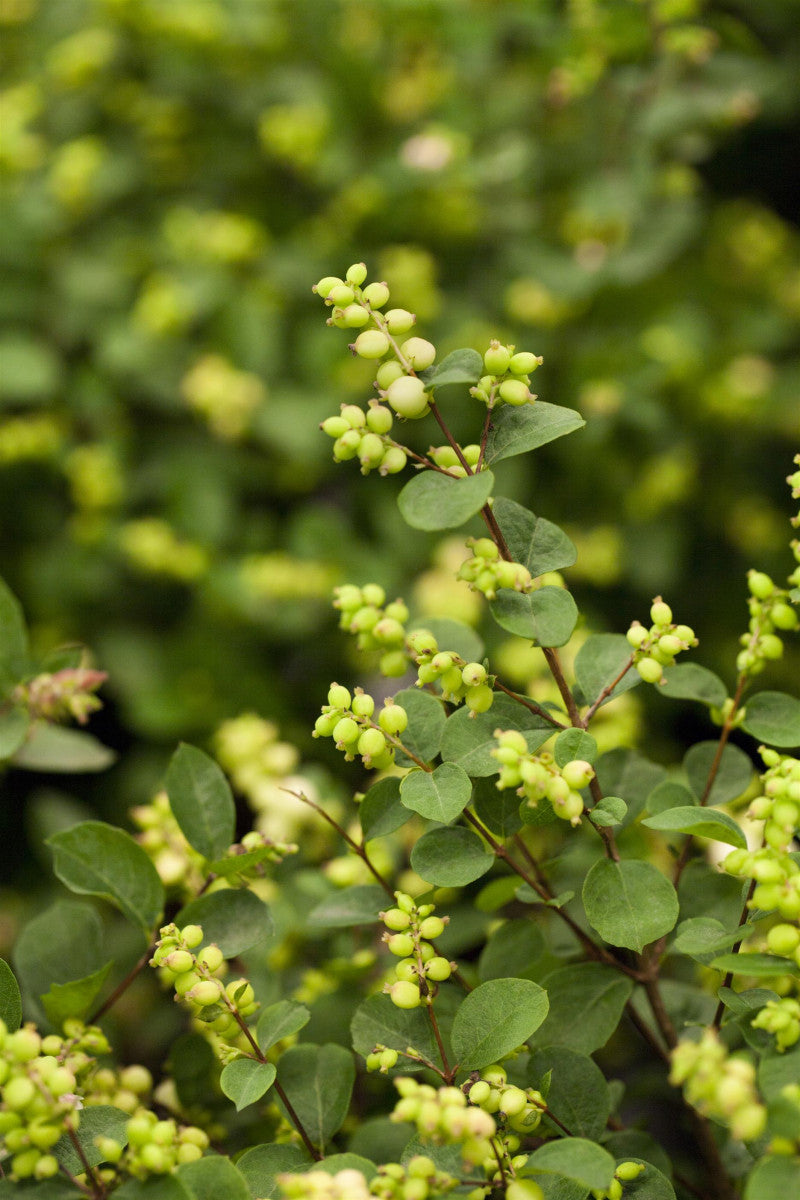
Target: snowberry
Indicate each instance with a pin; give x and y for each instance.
(372, 343)
(407, 396)
(418, 352)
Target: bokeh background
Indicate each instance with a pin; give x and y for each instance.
(609, 183)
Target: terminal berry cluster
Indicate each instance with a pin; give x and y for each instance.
(655, 648)
(770, 615)
(410, 930)
(538, 777)
(348, 720)
(487, 572)
(508, 376)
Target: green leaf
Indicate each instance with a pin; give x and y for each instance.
(157, 1187)
(379, 1022)
(381, 811)
(546, 616)
(233, 918)
(610, 811)
(74, 999)
(426, 718)
(699, 822)
(63, 942)
(774, 718)
(759, 966)
(50, 1189)
(245, 1080)
(669, 794)
(212, 1177)
(432, 501)
(468, 739)
(201, 801)
(690, 681)
(702, 937)
(455, 636)
(733, 774)
(450, 857)
(586, 1004)
(97, 1120)
(498, 810)
(515, 947)
(518, 430)
(575, 1158)
(231, 866)
(346, 1161)
(635, 1143)
(261, 1165)
(10, 1000)
(379, 1139)
(96, 859)
(460, 366)
(358, 905)
(629, 903)
(578, 1095)
(600, 660)
(630, 776)
(279, 1021)
(495, 1018)
(536, 543)
(13, 638)
(193, 1066)
(773, 1178)
(318, 1081)
(572, 744)
(69, 751)
(652, 1184)
(439, 795)
(14, 725)
(777, 1072)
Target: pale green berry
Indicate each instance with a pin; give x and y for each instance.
(346, 446)
(760, 584)
(341, 295)
(346, 732)
(393, 664)
(371, 743)
(43, 1136)
(23, 1045)
(376, 294)
(373, 593)
(524, 363)
(396, 919)
(325, 724)
(660, 612)
(524, 1189)
(637, 635)
(185, 983)
(46, 1167)
(783, 616)
(783, 939)
(513, 1101)
(479, 1092)
(577, 773)
(438, 969)
(179, 961)
(388, 372)
(473, 674)
(485, 548)
(431, 927)
(685, 633)
(397, 611)
(451, 681)
(338, 696)
(442, 662)
(188, 1153)
(444, 456)
(418, 352)
(407, 396)
(514, 392)
(18, 1093)
(387, 1059)
(370, 450)
(335, 426)
(23, 1165)
(670, 644)
(389, 632)
(362, 705)
(372, 343)
(356, 274)
(405, 995)
(355, 316)
(394, 460)
(650, 670)
(392, 719)
(325, 285)
(206, 992)
(407, 970)
(479, 699)
(399, 320)
(497, 358)
(494, 1074)
(401, 945)
(770, 646)
(379, 418)
(629, 1170)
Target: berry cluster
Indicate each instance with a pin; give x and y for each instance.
(458, 679)
(445, 1116)
(771, 613)
(508, 376)
(626, 1172)
(656, 647)
(221, 1008)
(778, 806)
(719, 1085)
(538, 777)
(410, 930)
(378, 625)
(781, 1017)
(447, 458)
(419, 1179)
(348, 1184)
(365, 436)
(154, 1147)
(518, 1110)
(487, 572)
(62, 696)
(348, 720)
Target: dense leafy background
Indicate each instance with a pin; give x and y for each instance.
(603, 182)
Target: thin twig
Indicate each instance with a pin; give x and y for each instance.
(122, 986)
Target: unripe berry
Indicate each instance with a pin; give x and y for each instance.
(431, 927)
(407, 396)
(525, 363)
(204, 993)
(670, 644)
(338, 696)
(396, 919)
(388, 372)
(479, 1092)
(637, 635)
(325, 285)
(497, 358)
(494, 1074)
(660, 612)
(783, 616)
(629, 1170)
(399, 320)
(61, 1081)
(18, 1093)
(388, 1059)
(650, 670)
(394, 460)
(524, 1189)
(512, 1101)
(341, 295)
(370, 451)
(770, 646)
(393, 664)
(346, 732)
(371, 743)
(514, 392)
(325, 724)
(379, 418)
(438, 969)
(362, 705)
(783, 939)
(760, 584)
(479, 699)
(179, 961)
(185, 983)
(406, 970)
(372, 343)
(393, 719)
(346, 446)
(473, 674)
(188, 1153)
(335, 426)
(376, 294)
(405, 995)
(400, 944)
(577, 773)
(23, 1046)
(356, 274)
(419, 352)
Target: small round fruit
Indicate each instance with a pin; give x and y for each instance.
(407, 396)
(405, 995)
(372, 343)
(419, 352)
(514, 392)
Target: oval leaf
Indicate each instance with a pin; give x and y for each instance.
(518, 430)
(234, 919)
(213, 1177)
(74, 999)
(318, 1081)
(733, 774)
(201, 801)
(379, 1022)
(96, 859)
(629, 903)
(699, 822)
(450, 857)
(10, 1000)
(496, 1018)
(71, 751)
(467, 739)
(440, 795)
(13, 637)
(381, 811)
(774, 718)
(358, 905)
(578, 1093)
(261, 1166)
(601, 659)
(546, 616)
(759, 966)
(246, 1080)
(690, 681)
(460, 366)
(432, 501)
(536, 543)
(572, 744)
(279, 1021)
(575, 1158)
(97, 1120)
(586, 1003)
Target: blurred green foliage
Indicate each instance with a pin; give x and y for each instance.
(176, 176)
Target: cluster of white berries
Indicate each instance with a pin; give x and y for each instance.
(538, 777)
(656, 647)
